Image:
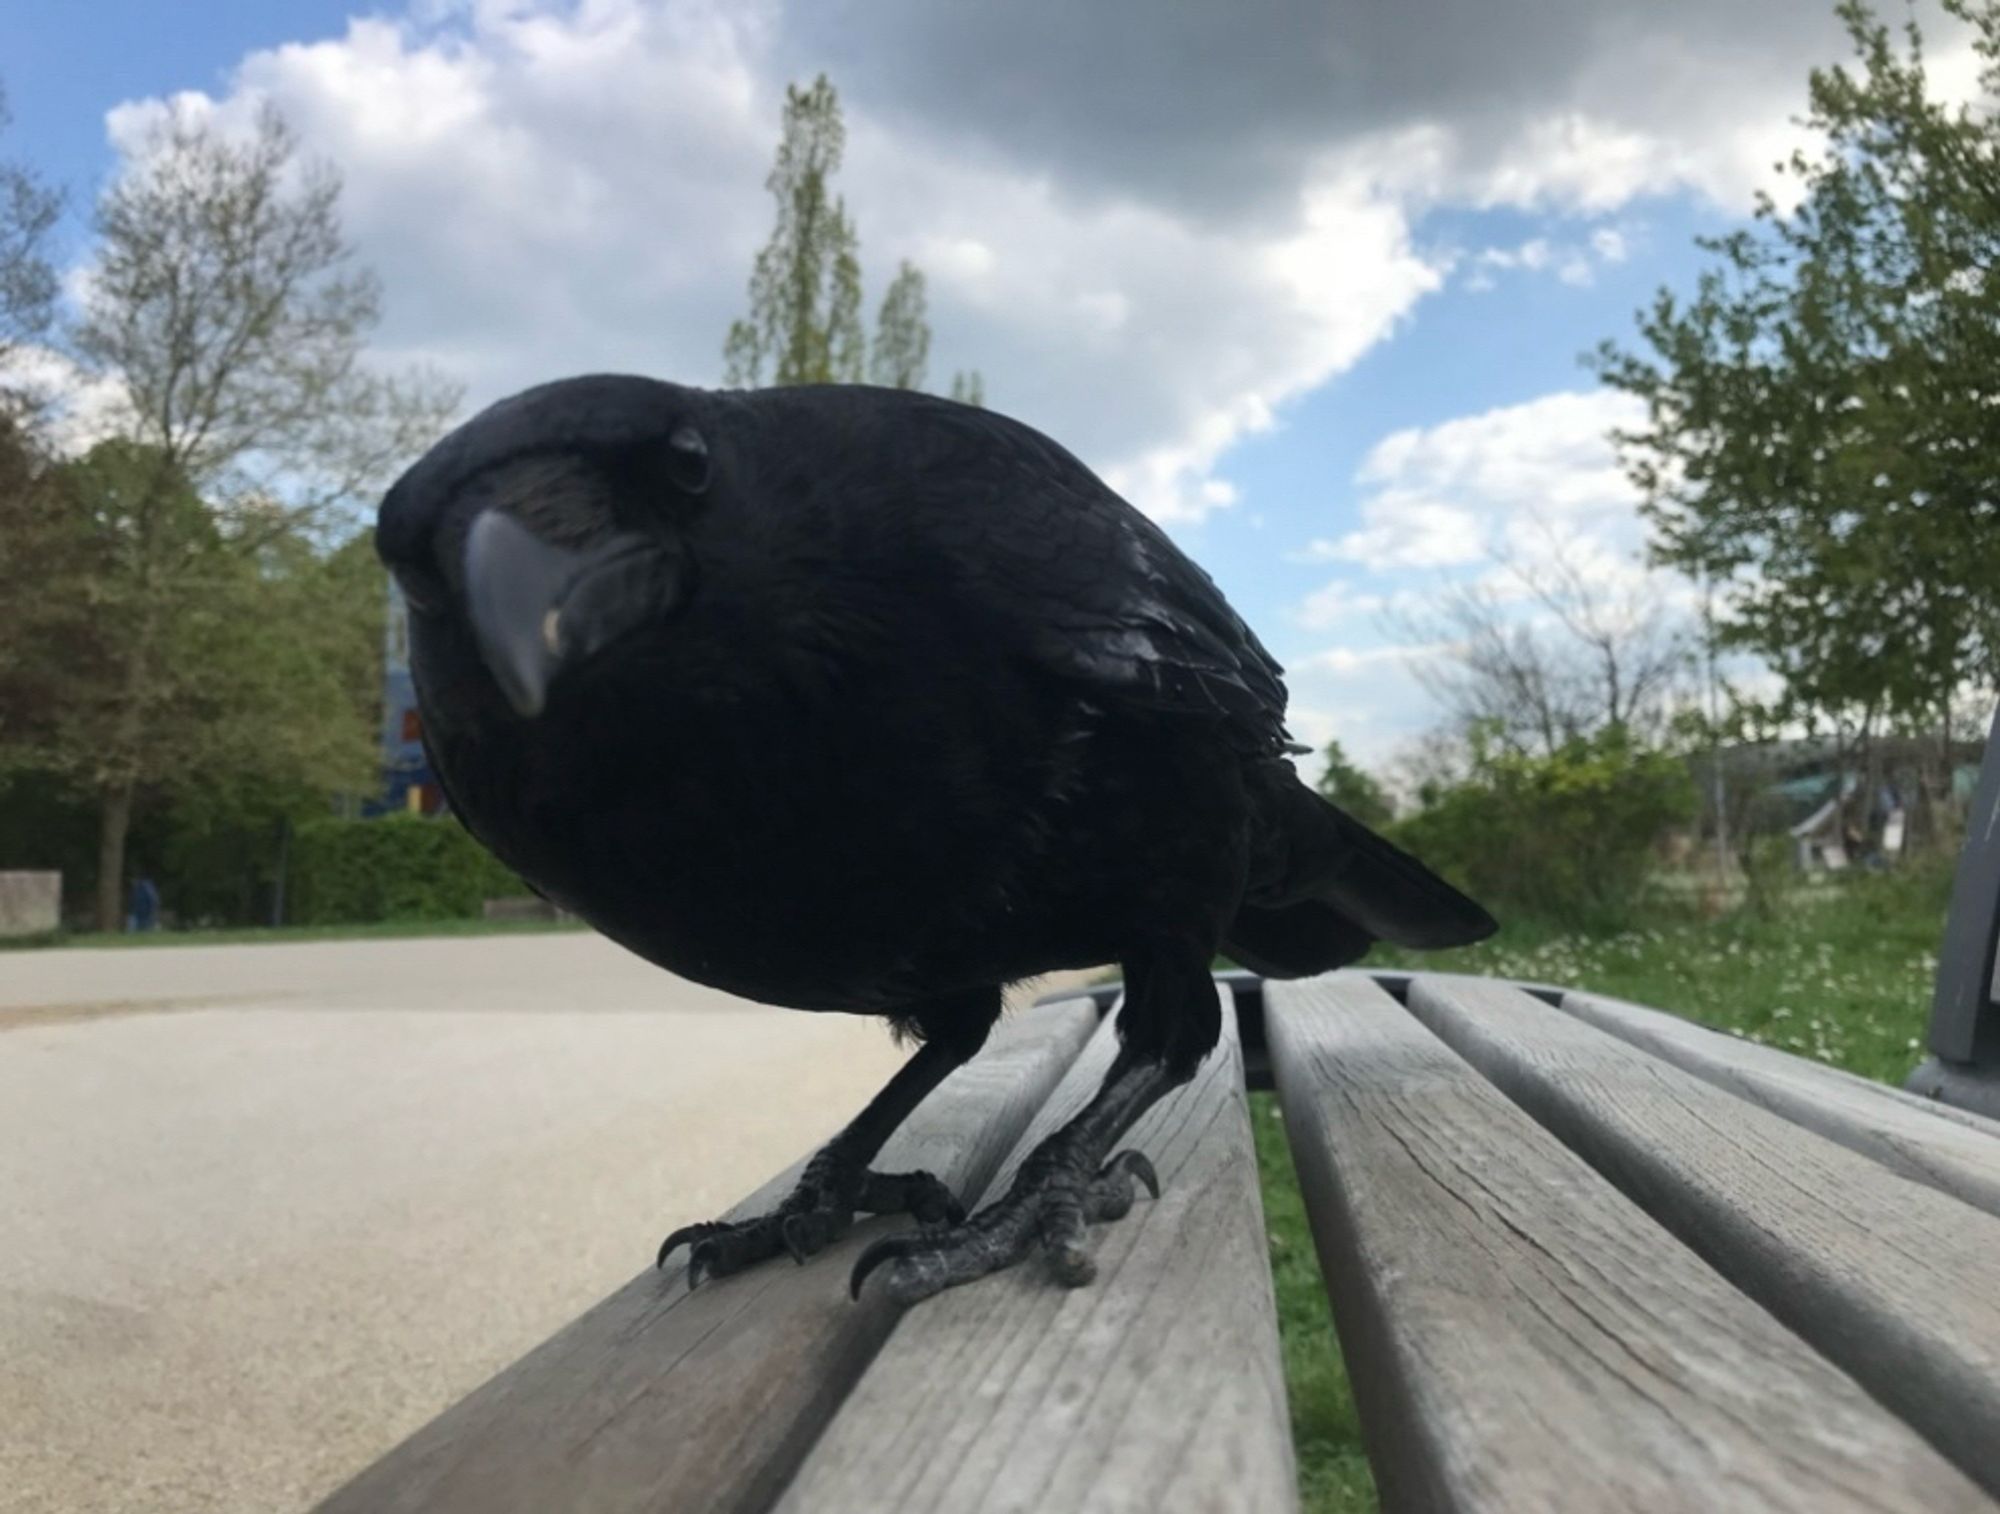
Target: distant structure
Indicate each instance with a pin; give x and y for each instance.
(407, 780)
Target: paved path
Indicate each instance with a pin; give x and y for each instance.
(266, 1209)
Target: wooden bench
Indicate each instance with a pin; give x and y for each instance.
(1581, 1255)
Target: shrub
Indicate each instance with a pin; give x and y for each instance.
(1354, 790)
(398, 867)
(1567, 838)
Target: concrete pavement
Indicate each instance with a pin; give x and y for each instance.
(266, 1209)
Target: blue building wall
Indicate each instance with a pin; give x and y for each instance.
(407, 780)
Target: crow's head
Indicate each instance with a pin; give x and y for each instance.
(553, 524)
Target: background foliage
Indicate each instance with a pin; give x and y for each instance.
(1568, 836)
(398, 867)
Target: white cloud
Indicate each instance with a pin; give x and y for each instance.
(1338, 603)
(1572, 262)
(1367, 698)
(1442, 496)
(1405, 530)
(1345, 662)
(81, 410)
(1495, 500)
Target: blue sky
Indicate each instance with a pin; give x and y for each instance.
(1462, 352)
(1311, 288)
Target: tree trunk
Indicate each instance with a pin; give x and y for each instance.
(278, 880)
(114, 819)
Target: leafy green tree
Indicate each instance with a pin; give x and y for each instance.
(252, 731)
(225, 306)
(902, 334)
(292, 717)
(256, 687)
(28, 212)
(1822, 415)
(968, 388)
(1354, 790)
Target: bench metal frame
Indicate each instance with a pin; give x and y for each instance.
(1963, 1068)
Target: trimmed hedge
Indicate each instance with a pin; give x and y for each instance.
(397, 867)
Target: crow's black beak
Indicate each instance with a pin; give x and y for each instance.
(536, 607)
(514, 587)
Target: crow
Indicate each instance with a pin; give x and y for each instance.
(861, 700)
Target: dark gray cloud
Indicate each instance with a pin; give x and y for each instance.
(1218, 108)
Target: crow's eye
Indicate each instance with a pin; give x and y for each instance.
(688, 460)
(420, 590)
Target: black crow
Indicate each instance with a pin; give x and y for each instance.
(857, 699)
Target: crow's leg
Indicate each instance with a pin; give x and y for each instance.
(1171, 1020)
(837, 1182)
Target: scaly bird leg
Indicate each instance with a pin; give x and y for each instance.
(1065, 1184)
(837, 1182)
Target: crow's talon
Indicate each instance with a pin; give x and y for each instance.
(1053, 1198)
(891, 1248)
(687, 1233)
(1111, 1193)
(812, 1217)
(1137, 1163)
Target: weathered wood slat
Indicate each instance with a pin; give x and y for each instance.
(1519, 1334)
(658, 1399)
(1891, 1279)
(1158, 1386)
(1928, 1142)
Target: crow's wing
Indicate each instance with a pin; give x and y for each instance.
(1094, 590)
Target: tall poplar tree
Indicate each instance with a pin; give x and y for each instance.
(902, 334)
(804, 324)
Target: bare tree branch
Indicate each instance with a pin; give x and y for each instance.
(1600, 650)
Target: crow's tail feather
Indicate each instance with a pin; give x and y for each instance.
(1367, 889)
(1294, 940)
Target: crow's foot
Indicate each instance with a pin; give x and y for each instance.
(1059, 1190)
(833, 1188)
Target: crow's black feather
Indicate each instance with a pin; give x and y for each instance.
(857, 699)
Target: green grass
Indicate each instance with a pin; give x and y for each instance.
(381, 930)
(1333, 1469)
(1842, 974)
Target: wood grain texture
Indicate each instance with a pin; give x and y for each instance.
(658, 1399)
(1949, 1149)
(1156, 1387)
(1520, 1335)
(1892, 1280)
